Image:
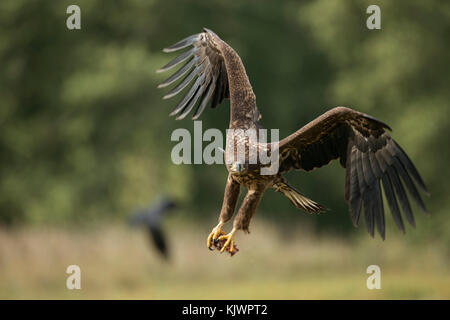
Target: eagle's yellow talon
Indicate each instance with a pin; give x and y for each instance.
(229, 241)
(214, 235)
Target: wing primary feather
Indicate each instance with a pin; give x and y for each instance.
(359, 169)
(217, 92)
(182, 57)
(183, 83)
(409, 166)
(368, 197)
(193, 101)
(409, 184)
(355, 191)
(188, 95)
(375, 167)
(183, 43)
(367, 168)
(379, 210)
(392, 202)
(345, 136)
(205, 100)
(379, 213)
(389, 192)
(179, 73)
(401, 195)
(348, 166)
(184, 109)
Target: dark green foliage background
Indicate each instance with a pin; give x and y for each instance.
(85, 135)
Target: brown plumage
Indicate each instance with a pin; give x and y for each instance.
(371, 157)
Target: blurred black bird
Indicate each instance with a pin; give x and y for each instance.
(151, 218)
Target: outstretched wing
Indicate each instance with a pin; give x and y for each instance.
(369, 155)
(203, 70)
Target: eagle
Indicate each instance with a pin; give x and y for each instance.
(212, 71)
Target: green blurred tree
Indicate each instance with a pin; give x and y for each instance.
(85, 134)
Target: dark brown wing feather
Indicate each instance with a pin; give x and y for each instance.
(204, 74)
(371, 157)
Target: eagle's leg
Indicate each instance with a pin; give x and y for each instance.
(242, 220)
(230, 198)
(248, 208)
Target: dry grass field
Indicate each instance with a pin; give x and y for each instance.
(117, 263)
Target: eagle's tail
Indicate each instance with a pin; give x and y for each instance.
(297, 199)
